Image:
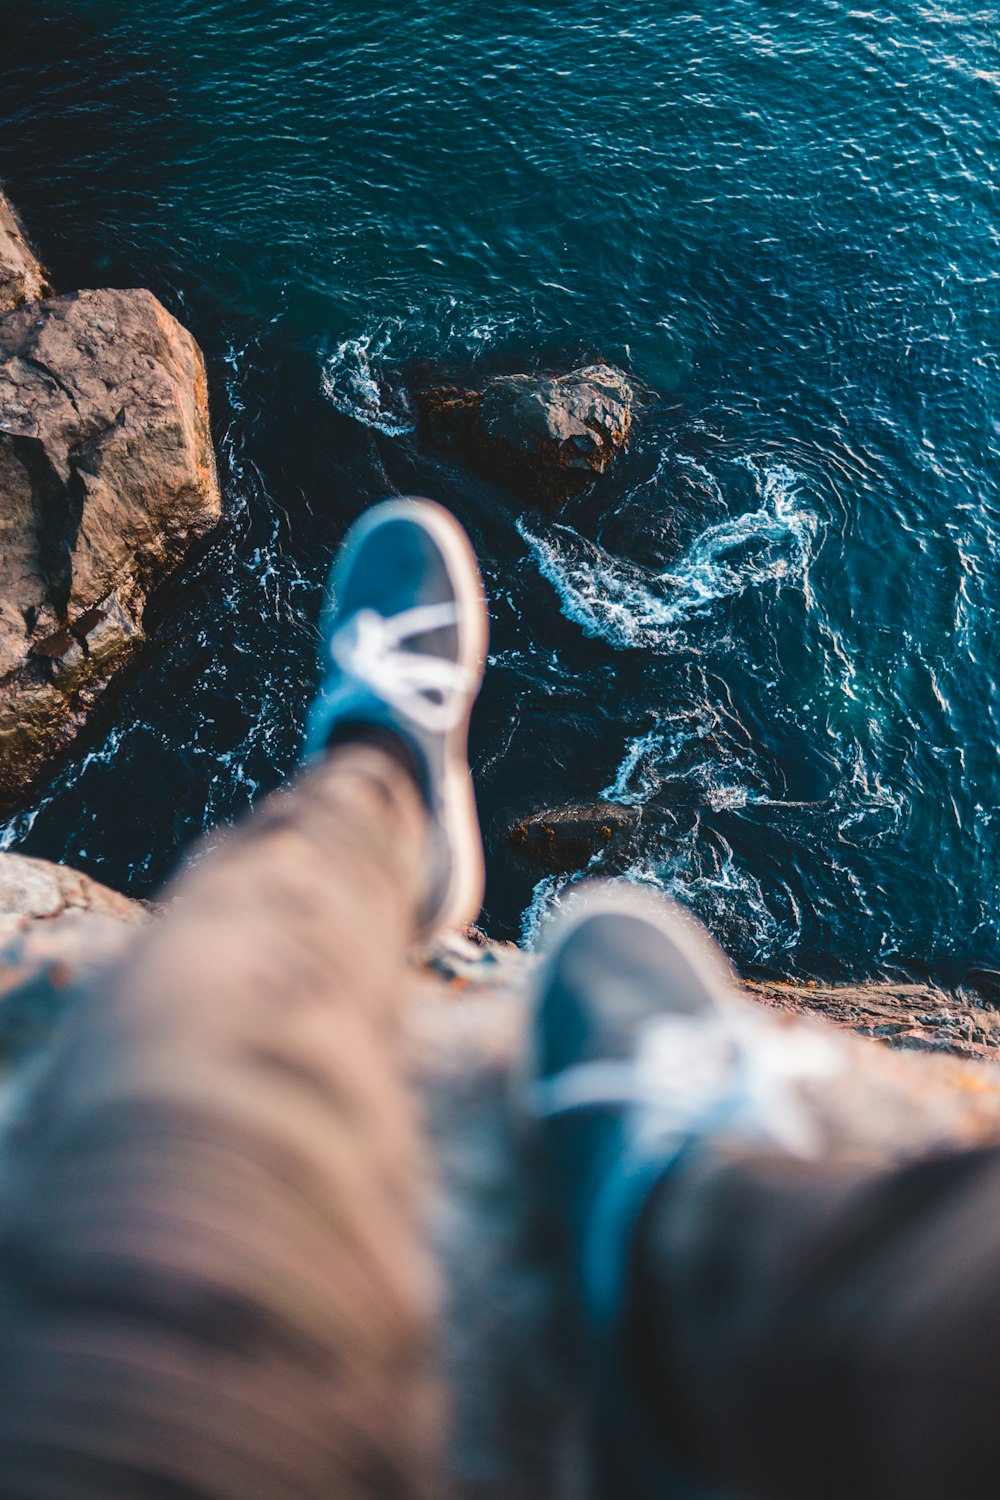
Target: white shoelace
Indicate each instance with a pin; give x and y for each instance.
(692, 1073)
(429, 690)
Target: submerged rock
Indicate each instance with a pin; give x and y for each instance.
(21, 277)
(568, 838)
(547, 436)
(107, 477)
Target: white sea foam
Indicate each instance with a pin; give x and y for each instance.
(633, 783)
(351, 381)
(732, 798)
(605, 596)
(648, 755)
(354, 379)
(727, 896)
(544, 900)
(16, 830)
(553, 891)
(627, 605)
(714, 885)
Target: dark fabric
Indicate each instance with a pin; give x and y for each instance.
(212, 1278)
(824, 1332)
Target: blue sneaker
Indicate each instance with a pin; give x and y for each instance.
(405, 631)
(640, 1049)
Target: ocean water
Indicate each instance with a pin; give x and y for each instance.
(774, 627)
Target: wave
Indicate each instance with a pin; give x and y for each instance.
(689, 766)
(635, 780)
(351, 381)
(19, 825)
(629, 606)
(355, 376)
(868, 809)
(722, 893)
(763, 927)
(639, 773)
(544, 901)
(552, 891)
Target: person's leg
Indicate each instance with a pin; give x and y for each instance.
(212, 1274)
(808, 1331)
(761, 1316)
(211, 1257)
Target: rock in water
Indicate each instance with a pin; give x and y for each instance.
(546, 436)
(578, 421)
(107, 476)
(21, 277)
(564, 839)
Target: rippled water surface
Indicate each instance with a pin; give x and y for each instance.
(774, 627)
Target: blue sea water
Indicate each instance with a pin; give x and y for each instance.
(774, 626)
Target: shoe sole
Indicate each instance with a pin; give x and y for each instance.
(464, 895)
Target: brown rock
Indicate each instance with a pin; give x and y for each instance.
(567, 838)
(21, 277)
(548, 437)
(910, 1017)
(107, 477)
(58, 928)
(39, 890)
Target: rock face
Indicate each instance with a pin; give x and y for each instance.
(548, 437)
(58, 928)
(908, 1017)
(35, 890)
(107, 476)
(21, 277)
(567, 838)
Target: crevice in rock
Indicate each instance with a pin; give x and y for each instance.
(57, 381)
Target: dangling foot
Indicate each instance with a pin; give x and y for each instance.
(405, 633)
(641, 1050)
